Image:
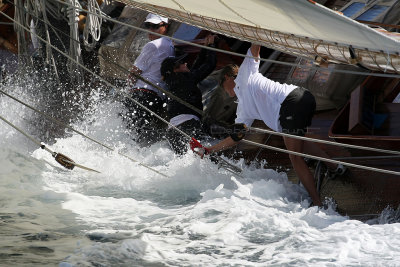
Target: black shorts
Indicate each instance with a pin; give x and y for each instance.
(149, 129)
(297, 111)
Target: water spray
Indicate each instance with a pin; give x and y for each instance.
(62, 159)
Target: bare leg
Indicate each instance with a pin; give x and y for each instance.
(301, 168)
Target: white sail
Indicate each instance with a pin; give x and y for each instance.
(298, 27)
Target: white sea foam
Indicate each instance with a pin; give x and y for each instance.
(197, 216)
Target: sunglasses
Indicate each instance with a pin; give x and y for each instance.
(152, 26)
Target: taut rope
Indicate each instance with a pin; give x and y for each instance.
(60, 158)
(249, 142)
(80, 133)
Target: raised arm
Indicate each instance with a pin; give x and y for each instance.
(255, 50)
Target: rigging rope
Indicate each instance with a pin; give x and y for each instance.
(166, 92)
(55, 10)
(92, 25)
(242, 55)
(320, 158)
(60, 158)
(22, 46)
(251, 128)
(74, 48)
(232, 170)
(256, 129)
(186, 135)
(325, 141)
(80, 133)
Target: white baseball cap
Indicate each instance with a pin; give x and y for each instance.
(155, 19)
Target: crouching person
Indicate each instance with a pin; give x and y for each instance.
(182, 83)
(282, 107)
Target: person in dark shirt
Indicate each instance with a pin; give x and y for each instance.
(182, 82)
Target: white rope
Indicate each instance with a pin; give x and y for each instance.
(325, 141)
(32, 8)
(22, 18)
(109, 84)
(33, 12)
(78, 132)
(74, 47)
(17, 16)
(292, 136)
(70, 14)
(92, 25)
(54, 154)
(387, 61)
(320, 158)
(49, 54)
(166, 92)
(54, 9)
(134, 100)
(245, 141)
(19, 19)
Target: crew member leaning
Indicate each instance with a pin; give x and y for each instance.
(283, 107)
(182, 82)
(148, 128)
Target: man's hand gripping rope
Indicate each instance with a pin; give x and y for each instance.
(198, 148)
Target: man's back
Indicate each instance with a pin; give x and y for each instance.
(259, 97)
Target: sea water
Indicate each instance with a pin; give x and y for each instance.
(194, 214)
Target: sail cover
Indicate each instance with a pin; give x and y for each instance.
(298, 27)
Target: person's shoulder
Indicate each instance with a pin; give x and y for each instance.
(165, 39)
(149, 46)
(161, 43)
(162, 40)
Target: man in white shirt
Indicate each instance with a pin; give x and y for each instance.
(282, 107)
(148, 128)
